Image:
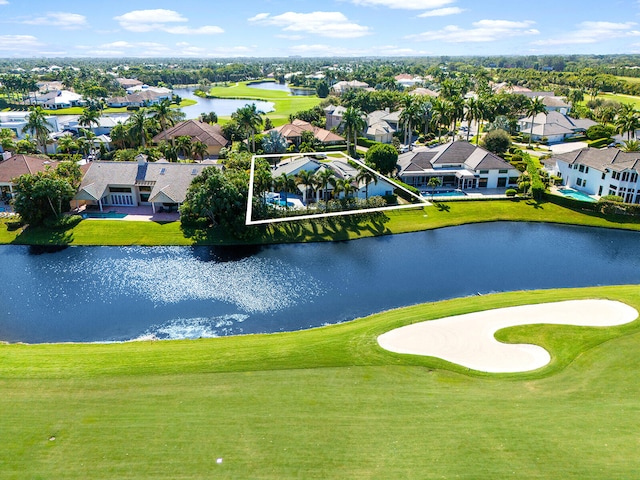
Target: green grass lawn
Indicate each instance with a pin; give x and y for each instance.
(630, 99)
(285, 104)
(118, 232)
(326, 403)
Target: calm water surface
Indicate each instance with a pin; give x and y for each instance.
(222, 106)
(90, 294)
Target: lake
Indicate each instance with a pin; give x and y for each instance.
(98, 294)
(305, 92)
(223, 107)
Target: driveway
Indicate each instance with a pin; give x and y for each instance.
(567, 147)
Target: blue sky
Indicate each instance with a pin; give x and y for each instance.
(267, 28)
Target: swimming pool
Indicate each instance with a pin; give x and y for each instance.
(103, 215)
(576, 195)
(444, 194)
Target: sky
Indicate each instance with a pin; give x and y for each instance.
(312, 28)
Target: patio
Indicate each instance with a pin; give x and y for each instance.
(135, 214)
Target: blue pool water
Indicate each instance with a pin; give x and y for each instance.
(103, 215)
(445, 194)
(576, 195)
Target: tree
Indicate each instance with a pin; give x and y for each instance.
(306, 179)
(67, 143)
(42, 195)
(497, 141)
(367, 176)
(165, 115)
(38, 125)
(322, 89)
(534, 107)
(410, 113)
(89, 117)
(219, 197)
(628, 121)
(286, 184)
(382, 157)
(137, 128)
(184, 143)
(344, 185)
(200, 149)
(631, 146)
(434, 182)
(472, 112)
(323, 179)
(210, 117)
(249, 119)
(352, 123)
(274, 142)
(7, 140)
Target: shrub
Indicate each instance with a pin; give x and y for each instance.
(611, 198)
(511, 192)
(596, 132)
(390, 199)
(601, 142)
(497, 141)
(365, 142)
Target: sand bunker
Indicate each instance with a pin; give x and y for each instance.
(468, 340)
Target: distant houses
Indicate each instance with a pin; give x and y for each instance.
(554, 127)
(293, 133)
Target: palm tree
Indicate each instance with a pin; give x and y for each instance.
(434, 182)
(249, 119)
(410, 113)
(441, 114)
(89, 117)
(83, 145)
(67, 143)
(324, 178)
(628, 121)
(344, 185)
(119, 135)
(285, 183)
(184, 143)
(534, 108)
(305, 178)
(352, 123)
(210, 117)
(472, 112)
(137, 127)
(38, 125)
(7, 140)
(456, 112)
(631, 146)
(274, 142)
(367, 176)
(165, 115)
(200, 149)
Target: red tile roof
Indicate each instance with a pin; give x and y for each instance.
(20, 164)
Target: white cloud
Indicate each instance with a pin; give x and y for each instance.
(593, 32)
(67, 21)
(484, 31)
(4, 2)
(142, 21)
(18, 42)
(324, 24)
(405, 4)
(442, 12)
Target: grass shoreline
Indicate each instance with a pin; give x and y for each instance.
(327, 403)
(122, 233)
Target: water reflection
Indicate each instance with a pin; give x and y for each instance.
(110, 293)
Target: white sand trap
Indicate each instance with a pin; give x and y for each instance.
(468, 340)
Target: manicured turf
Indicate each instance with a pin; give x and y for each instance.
(326, 403)
(285, 104)
(117, 232)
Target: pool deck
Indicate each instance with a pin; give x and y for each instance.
(135, 214)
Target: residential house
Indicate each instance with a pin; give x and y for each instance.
(554, 126)
(131, 184)
(551, 102)
(381, 125)
(17, 165)
(343, 86)
(128, 82)
(16, 121)
(210, 135)
(293, 133)
(143, 98)
(58, 99)
(606, 171)
(341, 169)
(407, 81)
(424, 92)
(333, 115)
(458, 165)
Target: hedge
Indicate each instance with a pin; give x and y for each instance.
(601, 142)
(365, 142)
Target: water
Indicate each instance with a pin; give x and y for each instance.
(91, 294)
(283, 88)
(222, 106)
(576, 195)
(450, 193)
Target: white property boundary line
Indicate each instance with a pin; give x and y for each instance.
(249, 221)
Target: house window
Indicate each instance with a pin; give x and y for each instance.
(503, 171)
(584, 183)
(612, 187)
(586, 170)
(625, 176)
(600, 190)
(579, 182)
(634, 177)
(119, 189)
(484, 172)
(603, 175)
(615, 175)
(581, 168)
(145, 188)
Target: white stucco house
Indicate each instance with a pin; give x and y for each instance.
(458, 165)
(606, 171)
(554, 126)
(16, 121)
